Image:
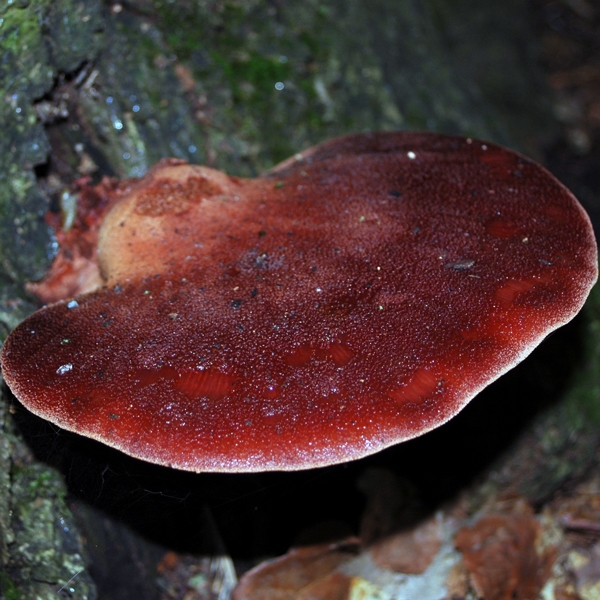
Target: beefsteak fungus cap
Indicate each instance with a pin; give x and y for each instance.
(358, 295)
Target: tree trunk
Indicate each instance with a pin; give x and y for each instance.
(96, 89)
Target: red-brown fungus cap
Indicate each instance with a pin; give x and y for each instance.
(358, 295)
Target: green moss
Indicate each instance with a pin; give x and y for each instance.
(24, 62)
(249, 61)
(239, 53)
(21, 31)
(251, 68)
(8, 589)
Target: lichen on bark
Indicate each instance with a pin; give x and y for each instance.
(41, 552)
(38, 40)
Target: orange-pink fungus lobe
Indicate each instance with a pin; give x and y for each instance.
(357, 295)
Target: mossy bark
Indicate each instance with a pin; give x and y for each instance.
(92, 89)
(41, 552)
(562, 441)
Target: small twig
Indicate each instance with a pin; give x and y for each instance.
(68, 582)
(570, 522)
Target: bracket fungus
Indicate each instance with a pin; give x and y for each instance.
(355, 296)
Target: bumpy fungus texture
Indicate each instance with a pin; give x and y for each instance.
(358, 295)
